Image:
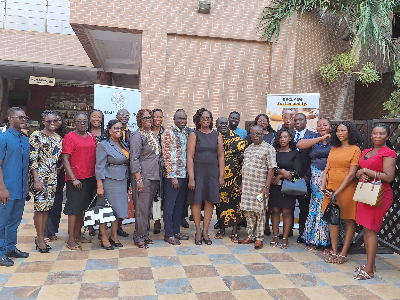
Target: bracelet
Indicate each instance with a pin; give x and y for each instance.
(266, 186)
(139, 180)
(74, 179)
(364, 171)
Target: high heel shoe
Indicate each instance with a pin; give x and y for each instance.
(114, 243)
(108, 247)
(47, 246)
(42, 250)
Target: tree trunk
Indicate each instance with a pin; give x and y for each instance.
(344, 90)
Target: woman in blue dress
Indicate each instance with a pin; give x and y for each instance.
(316, 231)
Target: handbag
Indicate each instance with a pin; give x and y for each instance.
(370, 192)
(294, 187)
(100, 214)
(332, 212)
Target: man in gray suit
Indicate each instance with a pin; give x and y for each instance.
(300, 131)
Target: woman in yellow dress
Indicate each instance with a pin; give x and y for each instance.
(340, 176)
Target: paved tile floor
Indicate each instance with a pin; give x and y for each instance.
(221, 271)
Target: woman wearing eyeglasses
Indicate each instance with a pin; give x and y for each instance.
(79, 159)
(145, 154)
(45, 149)
(268, 131)
(112, 161)
(205, 166)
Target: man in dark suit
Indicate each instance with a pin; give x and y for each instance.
(300, 131)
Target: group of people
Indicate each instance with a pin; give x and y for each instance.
(239, 172)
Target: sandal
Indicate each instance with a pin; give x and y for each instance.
(284, 245)
(362, 268)
(220, 234)
(331, 259)
(341, 259)
(235, 238)
(362, 275)
(311, 248)
(198, 242)
(83, 240)
(141, 245)
(77, 247)
(328, 251)
(273, 243)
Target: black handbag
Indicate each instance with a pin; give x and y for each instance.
(99, 214)
(294, 187)
(332, 212)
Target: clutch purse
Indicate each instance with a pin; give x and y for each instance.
(100, 214)
(370, 192)
(332, 212)
(294, 187)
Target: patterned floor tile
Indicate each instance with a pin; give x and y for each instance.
(189, 250)
(169, 272)
(187, 296)
(142, 288)
(241, 249)
(147, 297)
(26, 279)
(218, 259)
(133, 262)
(173, 286)
(232, 270)
(73, 255)
(261, 269)
(95, 276)
(241, 283)
(251, 258)
(274, 281)
(59, 292)
(208, 285)
(319, 267)
(33, 267)
(215, 295)
(64, 278)
(20, 292)
(385, 291)
(4, 278)
(357, 292)
(278, 257)
(319, 292)
(135, 274)
(98, 290)
(305, 280)
(200, 271)
(194, 260)
(161, 251)
(101, 264)
(287, 294)
(69, 265)
(133, 252)
(290, 267)
(164, 261)
(215, 249)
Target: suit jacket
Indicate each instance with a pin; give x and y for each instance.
(305, 157)
(111, 162)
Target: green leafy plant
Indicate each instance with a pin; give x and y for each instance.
(392, 106)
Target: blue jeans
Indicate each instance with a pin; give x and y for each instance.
(173, 203)
(10, 218)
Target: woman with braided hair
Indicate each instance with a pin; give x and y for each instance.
(45, 149)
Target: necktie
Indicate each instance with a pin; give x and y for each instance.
(297, 137)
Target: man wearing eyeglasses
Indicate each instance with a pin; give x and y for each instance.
(14, 158)
(123, 116)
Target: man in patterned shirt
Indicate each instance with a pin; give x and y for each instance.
(174, 141)
(258, 169)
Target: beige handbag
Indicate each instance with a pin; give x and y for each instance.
(370, 192)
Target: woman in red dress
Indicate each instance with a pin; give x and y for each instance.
(379, 160)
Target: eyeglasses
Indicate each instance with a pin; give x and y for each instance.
(147, 118)
(26, 118)
(52, 122)
(118, 128)
(123, 115)
(256, 134)
(81, 121)
(205, 118)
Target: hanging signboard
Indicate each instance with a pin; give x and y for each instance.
(110, 99)
(42, 80)
(285, 106)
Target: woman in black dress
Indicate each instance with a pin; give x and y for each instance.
(205, 166)
(289, 163)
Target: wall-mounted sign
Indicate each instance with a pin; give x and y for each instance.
(42, 80)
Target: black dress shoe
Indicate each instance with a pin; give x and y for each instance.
(107, 248)
(114, 243)
(5, 261)
(184, 223)
(300, 240)
(121, 232)
(17, 254)
(191, 218)
(45, 250)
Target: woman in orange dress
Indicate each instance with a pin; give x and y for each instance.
(339, 176)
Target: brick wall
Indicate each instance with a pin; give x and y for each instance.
(40, 47)
(194, 60)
